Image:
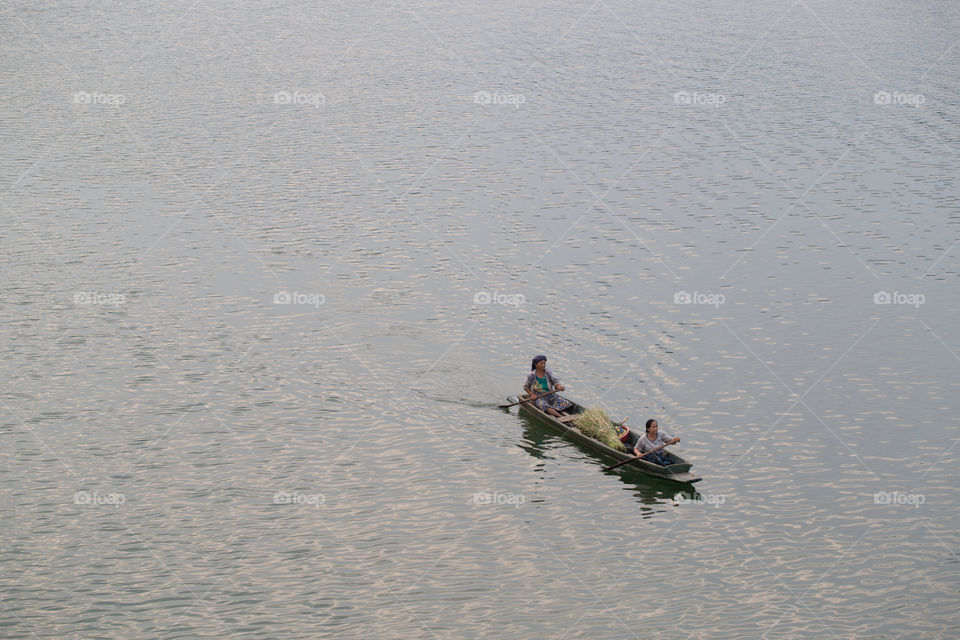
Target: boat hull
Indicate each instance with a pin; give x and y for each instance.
(679, 472)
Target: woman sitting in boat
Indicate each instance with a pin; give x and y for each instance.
(652, 439)
(541, 380)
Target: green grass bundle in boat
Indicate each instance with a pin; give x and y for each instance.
(596, 423)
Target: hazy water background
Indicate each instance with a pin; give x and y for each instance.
(146, 364)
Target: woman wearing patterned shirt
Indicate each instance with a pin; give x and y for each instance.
(541, 380)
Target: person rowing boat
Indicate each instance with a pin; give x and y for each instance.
(540, 380)
(652, 439)
(571, 425)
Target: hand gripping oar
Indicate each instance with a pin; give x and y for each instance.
(507, 406)
(620, 464)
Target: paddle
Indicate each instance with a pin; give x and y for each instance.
(507, 406)
(642, 455)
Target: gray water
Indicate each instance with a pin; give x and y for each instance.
(185, 455)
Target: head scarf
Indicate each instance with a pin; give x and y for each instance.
(536, 359)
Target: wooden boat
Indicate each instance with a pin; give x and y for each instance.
(679, 472)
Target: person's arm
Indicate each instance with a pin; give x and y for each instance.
(555, 381)
(668, 439)
(641, 445)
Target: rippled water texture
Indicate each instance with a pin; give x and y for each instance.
(269, 267)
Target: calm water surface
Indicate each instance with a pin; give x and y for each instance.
(268, 268)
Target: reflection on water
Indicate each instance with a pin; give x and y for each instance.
(253, 346)
(545, 443)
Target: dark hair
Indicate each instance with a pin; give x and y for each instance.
(650, 422)
(536, 359)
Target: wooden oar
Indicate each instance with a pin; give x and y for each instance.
(507, 406)
(643, 455)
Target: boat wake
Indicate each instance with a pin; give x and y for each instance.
(461, 401)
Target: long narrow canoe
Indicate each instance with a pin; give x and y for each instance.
(679, 472)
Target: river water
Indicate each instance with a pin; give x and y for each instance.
(269, 267)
